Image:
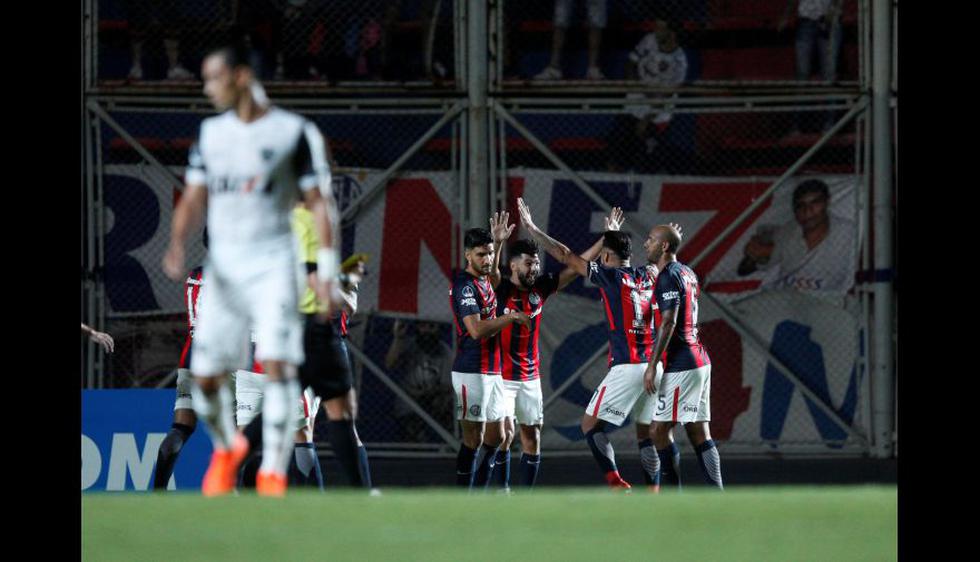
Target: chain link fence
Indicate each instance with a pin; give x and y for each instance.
(326, 41)
(785, 333)
(781, 315)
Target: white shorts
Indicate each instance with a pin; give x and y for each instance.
(248, 395)
(621, 393)
(596, 8)
(685, 396)
(479, 397)
(185, 382)
(523, 401)
(262, 297)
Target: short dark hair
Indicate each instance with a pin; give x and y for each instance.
(477, 237)
(522, 246)
(619, 242)
(810, 186)
(234, 54)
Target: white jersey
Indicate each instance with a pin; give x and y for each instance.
(254, 173)
(657, 67)
(830, 266)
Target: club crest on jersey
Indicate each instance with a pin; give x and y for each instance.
(534, 299)
(475, 410)
(467, 291)
(267, 154)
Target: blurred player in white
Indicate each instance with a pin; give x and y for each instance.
(247, 168)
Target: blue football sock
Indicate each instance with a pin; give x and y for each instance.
(650, 462)
(670, 464)
(464, 465)
(484, 466)
(362, 458)
(602, 449)
(502, 469)
(710, 463)
(529, 469)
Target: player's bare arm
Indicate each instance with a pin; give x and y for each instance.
(555, 248)
(188, 215)
(482, 329)
(614, 221)
(668, 320)
(500, 232)
(100, 338)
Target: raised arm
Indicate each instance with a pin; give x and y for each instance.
(614, 221)
(555, 248)
(500, 232)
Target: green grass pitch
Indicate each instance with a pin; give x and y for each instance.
(748, 523)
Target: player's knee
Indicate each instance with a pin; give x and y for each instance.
(531, 439)
(589, 422)
(208, 385)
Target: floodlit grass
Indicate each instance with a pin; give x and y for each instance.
(750, 523)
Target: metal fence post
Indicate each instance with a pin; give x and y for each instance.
(477, 85)
(883, 380)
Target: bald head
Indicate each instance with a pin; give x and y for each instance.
(663, 239)
(670, 235)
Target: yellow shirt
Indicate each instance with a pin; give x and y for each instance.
(304, 229)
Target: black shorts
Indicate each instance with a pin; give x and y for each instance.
(327, 367)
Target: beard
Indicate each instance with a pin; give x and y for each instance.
(527, 281)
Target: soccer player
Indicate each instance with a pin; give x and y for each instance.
(246, 169)
(185, 421)
(477, 383)
(684, 390)
(327, 367)
(627, 294)
(526, 290)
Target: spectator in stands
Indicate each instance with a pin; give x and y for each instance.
(816, 252)
(817, 25)
(638, 139)
(151, 18)
(406, 64)
(425, 364)
(563, 17)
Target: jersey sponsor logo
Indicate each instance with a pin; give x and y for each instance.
(689, 408)
(609, 409)
(669, 295)
(468, 291)
(467, 302)
(225, 184)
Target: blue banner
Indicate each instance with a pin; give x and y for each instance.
(121, 434)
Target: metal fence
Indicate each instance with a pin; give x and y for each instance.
(791, 343)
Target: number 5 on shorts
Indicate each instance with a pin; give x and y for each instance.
(661, 403)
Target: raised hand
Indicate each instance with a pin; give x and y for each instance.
(498, 226)
(676, 227)
(615, 219)
(525, 213)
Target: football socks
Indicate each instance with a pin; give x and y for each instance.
(169, 451)
(710, 463)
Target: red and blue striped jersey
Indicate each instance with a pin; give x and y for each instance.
(191, 295)
(470, 295)
(677, 287)
(340, 324)
(627, 293)
(520, 357)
